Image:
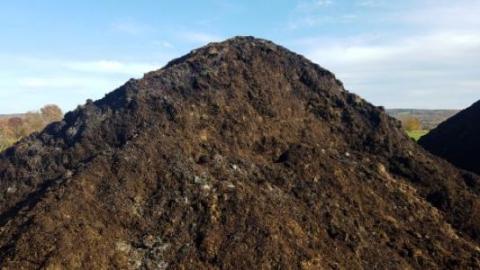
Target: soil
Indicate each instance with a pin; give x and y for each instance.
(457, 139)
(239, 155)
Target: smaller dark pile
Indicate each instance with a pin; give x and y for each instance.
(458, 139)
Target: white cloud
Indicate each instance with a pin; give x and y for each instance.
(311, 5)
(66, 82)
(322, 3)
(111, 66)
(50, 82)
(473, 85)
(459, 14)
(311, 20)
(428, 58)
(370, 3)
(436, 69)
(131, 27)
(102, 66)
(67, 89)
(198, 37)
(430, 47)
(163, 43)
(308, 14)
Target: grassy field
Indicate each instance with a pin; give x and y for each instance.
(416, 134)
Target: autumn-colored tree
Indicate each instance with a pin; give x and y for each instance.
(51, 113)
(3, 136)
(14, 128)
(4, 142)
(33, 122)
(7, 135)
(411, 123)
(4, 127)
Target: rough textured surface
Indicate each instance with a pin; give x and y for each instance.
(458, 139)
(239, 155)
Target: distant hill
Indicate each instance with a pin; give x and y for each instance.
(429, 118)
(3, 116)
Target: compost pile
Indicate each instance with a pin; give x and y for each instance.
(239, 155)
(458, 139)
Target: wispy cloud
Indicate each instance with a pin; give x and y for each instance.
(100, 67)
(433, 47)
(458, 14)
(163, 44)
(131, 27)
(370, 3)
(64, 81)
(308, 14)
(110, 66)
(198, 37)
(308, 6)
(311, 20)
(431, 53)
(418, 66)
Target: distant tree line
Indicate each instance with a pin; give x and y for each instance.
(429, 119)
(14, 128)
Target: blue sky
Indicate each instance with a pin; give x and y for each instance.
(402, 54)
